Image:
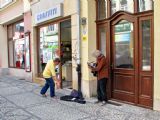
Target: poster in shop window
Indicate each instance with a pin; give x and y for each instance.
(47, 55)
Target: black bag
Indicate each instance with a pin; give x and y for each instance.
(76, 94)
(95, 73)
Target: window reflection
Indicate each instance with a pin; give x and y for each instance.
(145, 5)
(16, 45)
(102, 9)
(146, 45)
(124, 45)
(102, 34)
(48, 44)
(125, 5)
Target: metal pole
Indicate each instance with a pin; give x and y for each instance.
(79, 46)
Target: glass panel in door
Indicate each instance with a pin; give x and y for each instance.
(124, 45)
(146, 45)
(102, 34)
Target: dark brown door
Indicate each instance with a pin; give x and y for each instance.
(123, 61)
(132, 60)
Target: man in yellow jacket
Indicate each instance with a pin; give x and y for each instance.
(50, 77)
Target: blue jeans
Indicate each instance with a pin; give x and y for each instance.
(49, 83)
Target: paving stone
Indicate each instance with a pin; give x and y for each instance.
(3, 84)
(10, 91)
(27, 99)
(28, 86)
(153, 115)
(17, 114)
(139, 111)
(137, 118)
(21, 100)
(57, 112)
(112, 114)
(6, 106)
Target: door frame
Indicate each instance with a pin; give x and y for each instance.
(58, 21)
(130, 96)
(108, 23)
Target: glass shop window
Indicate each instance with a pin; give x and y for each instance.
(124, 5)
(16, 45)
(102, 9)
(145, 5)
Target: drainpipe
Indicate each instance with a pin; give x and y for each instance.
(79, 46)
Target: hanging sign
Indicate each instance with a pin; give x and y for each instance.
(49, 14)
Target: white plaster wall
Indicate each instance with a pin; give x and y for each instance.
(3, 46)
(12, 12)
(26, 6)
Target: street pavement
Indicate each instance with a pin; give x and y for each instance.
(20, 100)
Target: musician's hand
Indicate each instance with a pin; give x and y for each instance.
(89, 67)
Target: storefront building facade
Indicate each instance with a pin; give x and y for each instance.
(54, 27)
(134, 76)
(126, 35)
(126, 38)
(126, 31)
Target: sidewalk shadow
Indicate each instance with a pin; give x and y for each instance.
(114, 103)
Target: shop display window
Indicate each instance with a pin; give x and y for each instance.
(55, 41)
(16, 45)
(102, 9)
(48, 44)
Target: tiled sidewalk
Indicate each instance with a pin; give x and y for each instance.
(20, 100)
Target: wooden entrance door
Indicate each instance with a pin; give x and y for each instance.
(131, 60)
(123, 61)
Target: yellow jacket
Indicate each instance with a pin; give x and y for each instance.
(49, 70)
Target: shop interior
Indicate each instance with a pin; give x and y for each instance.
(66, 56)
(51, 41)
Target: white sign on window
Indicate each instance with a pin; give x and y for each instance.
(47, 55)
(49, 14)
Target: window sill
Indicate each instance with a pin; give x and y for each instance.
(7, 5)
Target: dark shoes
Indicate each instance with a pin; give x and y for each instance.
(55, 97)
(44, 95)
(96, 102)
(103, 103)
